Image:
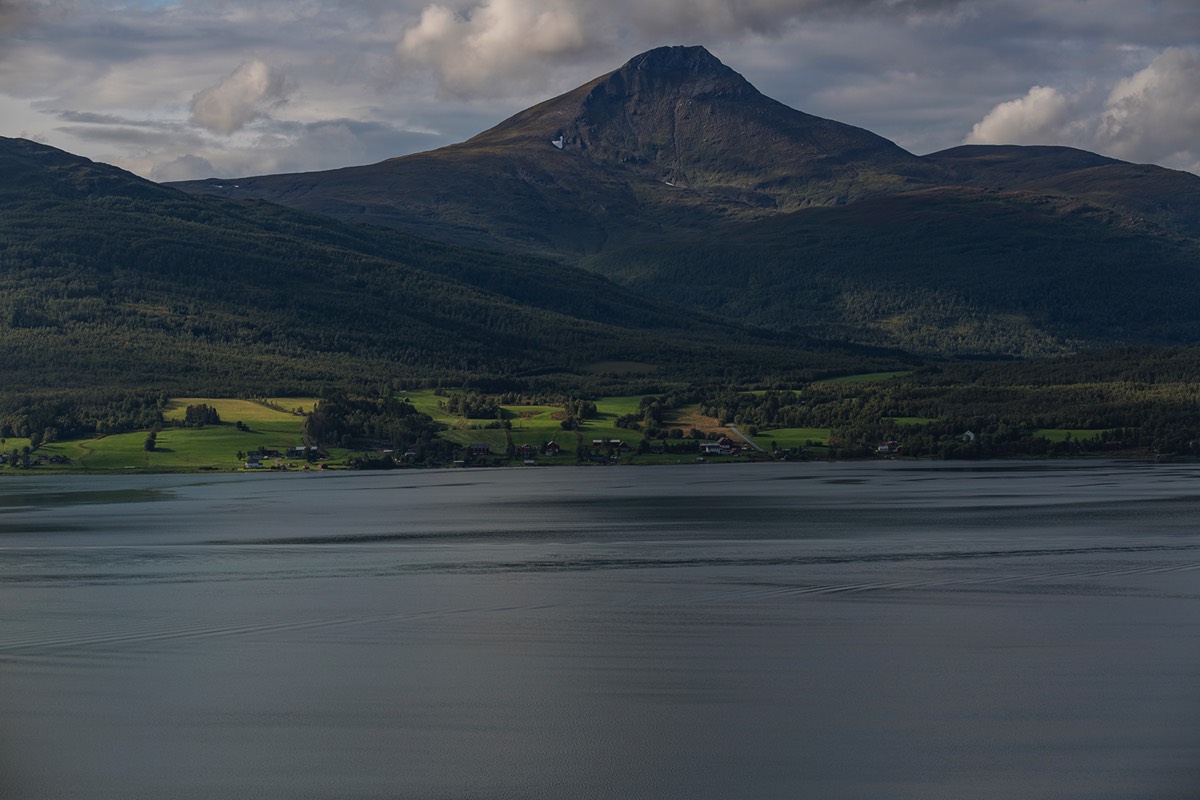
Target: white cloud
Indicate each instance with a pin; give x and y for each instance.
(1151, 116)
(495, 41)
(1155, 113)
(248, 94)
(487, 46)
(1038, 117)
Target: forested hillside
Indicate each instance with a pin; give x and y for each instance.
(108, 280)
(943, 271)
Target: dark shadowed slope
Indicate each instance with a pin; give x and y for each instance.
(955, 271)
(1168, 197)
(107, 279)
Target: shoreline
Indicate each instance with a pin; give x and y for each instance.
(1132, 458)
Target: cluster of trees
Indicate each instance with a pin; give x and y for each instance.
(201, 414)
(473, 405)
(575, 411)
(342, 420)
(650, 418)
(47, 416)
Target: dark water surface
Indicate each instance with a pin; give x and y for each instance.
(882, 630)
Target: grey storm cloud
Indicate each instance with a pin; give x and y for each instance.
(476, 47)
(250, 92)
(12, 14)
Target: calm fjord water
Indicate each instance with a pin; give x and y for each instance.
(880, 630)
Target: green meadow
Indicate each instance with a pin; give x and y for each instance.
(787, 438)
(265, 412)
(531, 424)
(427, 401)
(187, 449)
(277, 424)
(534, 425)
(603, 425)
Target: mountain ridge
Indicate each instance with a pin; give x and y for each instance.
(672, 139)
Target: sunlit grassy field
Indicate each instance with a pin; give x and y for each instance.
(792, 437)
(531, 424)
(185, 449)
(248, 411)
(277, 424)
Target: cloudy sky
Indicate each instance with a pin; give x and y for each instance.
(198, 88)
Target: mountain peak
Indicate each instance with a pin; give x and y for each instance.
(679, 59)
(648, 87)
(673, 137)
(678, 72)
(678, 116)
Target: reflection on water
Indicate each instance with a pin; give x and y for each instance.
(898, 630)
(19, 500)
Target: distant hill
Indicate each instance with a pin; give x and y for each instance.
(952, 271)
(1168, 197)
(110, 280)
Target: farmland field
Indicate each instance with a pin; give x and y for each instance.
(276, 424)
(184, 449)
(792, 437)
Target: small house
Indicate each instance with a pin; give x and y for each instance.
(552, 449)
(479, 449)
